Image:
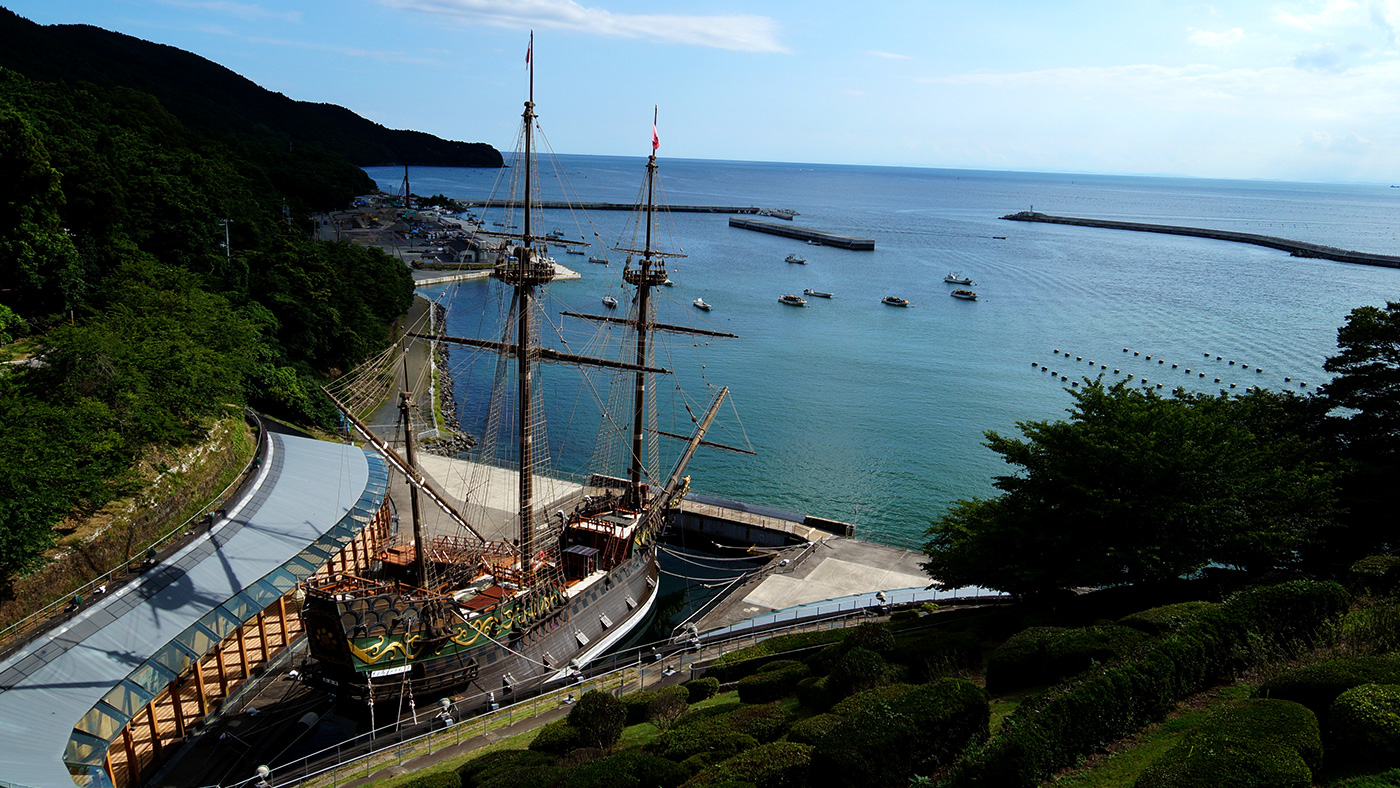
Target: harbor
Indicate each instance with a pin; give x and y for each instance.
(805, 234)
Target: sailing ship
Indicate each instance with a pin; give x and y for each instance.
(448, 612)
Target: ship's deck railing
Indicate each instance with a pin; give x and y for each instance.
(406, 740)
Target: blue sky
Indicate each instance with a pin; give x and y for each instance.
(1294, 90)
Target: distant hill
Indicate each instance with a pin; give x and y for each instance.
(204, 94)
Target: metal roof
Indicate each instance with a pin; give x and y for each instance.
(95, 671)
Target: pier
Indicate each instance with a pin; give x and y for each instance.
(1295, 248)
(752, 210)
(805, 234)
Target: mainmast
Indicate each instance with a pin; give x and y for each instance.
(525, 272)
(651, 274)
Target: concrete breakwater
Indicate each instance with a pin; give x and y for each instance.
(616, 206)
(1295, 248)
(820, 237)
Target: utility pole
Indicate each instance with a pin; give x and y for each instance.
(228, 251)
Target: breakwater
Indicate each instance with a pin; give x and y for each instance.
(805, 234)
(1295, 248)
(620, 206)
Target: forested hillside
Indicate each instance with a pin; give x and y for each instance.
(140, 326)
(206, 95)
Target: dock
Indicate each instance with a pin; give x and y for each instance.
(805, 234)
(1295, 248)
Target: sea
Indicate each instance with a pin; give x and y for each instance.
(876, 415)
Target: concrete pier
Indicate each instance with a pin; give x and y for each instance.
(805, 234)
(614, 206)
(1295, 248)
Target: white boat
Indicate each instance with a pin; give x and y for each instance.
(957, 279)
(791, 300)
(669, 283)
(572, 250)
(610, 302)
(966, 295)
(894, 301)
(816, 293)
(596, 259)
(700, 304)
(792, 258)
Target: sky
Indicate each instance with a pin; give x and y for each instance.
(1303, 90)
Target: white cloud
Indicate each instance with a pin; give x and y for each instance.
(239, 10)
(1207, 38)
(742, 32)
(1351, 144)
(1333, 12)
(888, 55)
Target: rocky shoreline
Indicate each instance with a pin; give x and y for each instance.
(455, 441)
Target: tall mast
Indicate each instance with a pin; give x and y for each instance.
(524, 273)
(651, 274)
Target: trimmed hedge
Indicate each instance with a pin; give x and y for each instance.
(438, 780)
(741, 662)
(1060, 726)
(682, 744)
(702, 688)
(887, 742)
(506, 768)
(638, 703)
(860, 669)
(558, 737)
(772, 681)
(721, 730)
(1377, 575)
(810, 730)
(863, 700)
(1374, 629)
(631, 768)
(938, 653)
(1316, 686)
(1364, 724)
(876, 637)
(599, 719)
(812, 692)
(1046, 655)
(781, 764)
(1256, 744)
(1166, 618)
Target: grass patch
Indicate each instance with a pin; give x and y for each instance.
(1128, 758)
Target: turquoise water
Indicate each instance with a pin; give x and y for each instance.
(860, 411)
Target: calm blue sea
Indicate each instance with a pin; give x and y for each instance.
(873, 414)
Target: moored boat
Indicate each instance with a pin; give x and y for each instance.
(610, 302)
(966, 295)
(791, 300)
(792, 258)
(700, 304)
(957, 279)
(816, 293)
(894, 301)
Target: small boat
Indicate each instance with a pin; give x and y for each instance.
(894, 301)
(966, 295)
(792, 258)
(602, 260)
(668, 282)
(814, 242)
(792, 300)
(572, 250)
(610, 302)
(700, 304)
(957, 279)
(816, 293)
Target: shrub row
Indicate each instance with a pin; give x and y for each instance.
(886, 742)
(438, 780)
(510, 769)
(638, 704)
(772, 681)
(1378, 575)
(720, 731)
(1055, 729)
(702, 688)
(1364, 725)
(1166, 618)
(741, 662)
(937, 653)
(1256, 744)
(630, 768)
(782, 764)
(1316, 686)
(1046, 655)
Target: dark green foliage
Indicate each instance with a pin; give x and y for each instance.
(1055, 729)
(599, 719)
(631, 768)
(702, 688)
(772, 681)
(1374, 629)
(937, 653)
(636, 705)
(1046, 655)
(860, 669)
(872, 697)
(1256, 744)
(876, 637)
(741, 662)
(727, 728)
(1389, 779)
(919, 732)
(557, 737)
(812, 729)
(510, 769)
(668, 706)
(1166, 618)
(777, 765)
(1316, 686)
(438, 780)
(1377, 575)
(1160, 487)
(1364, 724)
(813, 693)
(681, 744)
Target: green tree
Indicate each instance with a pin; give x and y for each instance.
(1135, 488)
(599, 719)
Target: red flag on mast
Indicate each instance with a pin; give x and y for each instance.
(655, 140)
(530, 48)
